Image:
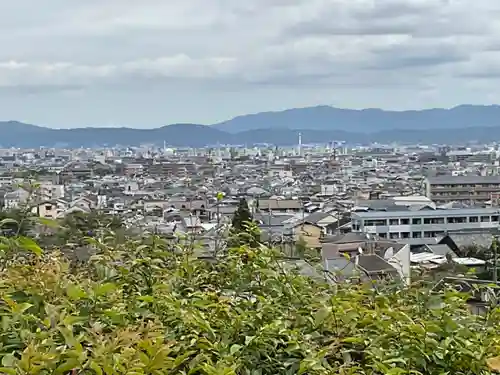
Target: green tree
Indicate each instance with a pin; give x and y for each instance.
(301, 247)
(241, 216)
(244, 230)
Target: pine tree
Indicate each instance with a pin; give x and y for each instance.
(241, 216)
(244, 230)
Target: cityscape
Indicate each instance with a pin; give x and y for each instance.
(419, 203)
(263, 188)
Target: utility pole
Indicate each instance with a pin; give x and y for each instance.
(220, 196)
(494, 246)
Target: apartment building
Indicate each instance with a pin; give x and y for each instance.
(467, 189)
(421, 227)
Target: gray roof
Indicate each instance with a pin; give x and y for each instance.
(441, 249)
(350, 237)
(303, 268)
(438, 180)
(374, 264)
(315, 217)
(266, 220)
(340, 266)
(483, 239)
(426, 213)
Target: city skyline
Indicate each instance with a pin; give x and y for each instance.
(152, 63)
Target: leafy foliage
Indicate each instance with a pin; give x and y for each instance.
(15, 221)
(145, 307)
(74, 228)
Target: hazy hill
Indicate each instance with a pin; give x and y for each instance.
(365, 120)
(317, 124)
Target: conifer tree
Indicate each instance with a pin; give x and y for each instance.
(241, 216)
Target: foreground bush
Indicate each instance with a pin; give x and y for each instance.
(142, 308)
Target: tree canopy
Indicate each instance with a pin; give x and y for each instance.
(242, 215)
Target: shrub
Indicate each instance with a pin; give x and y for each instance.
(143, 307)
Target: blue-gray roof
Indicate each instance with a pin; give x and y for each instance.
(430, 213)
(448, 179)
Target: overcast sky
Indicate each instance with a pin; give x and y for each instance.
(145, 63)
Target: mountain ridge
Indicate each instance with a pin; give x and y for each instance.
(319, 124)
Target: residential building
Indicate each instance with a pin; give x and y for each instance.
(466, 189)
(15, 199)
(421, 227)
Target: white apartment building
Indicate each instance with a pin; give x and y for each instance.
(420, 227)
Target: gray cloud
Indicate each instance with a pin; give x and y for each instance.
(260, 54)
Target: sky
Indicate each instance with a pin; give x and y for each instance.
(147, 63)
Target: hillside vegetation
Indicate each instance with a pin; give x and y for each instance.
(145, 306)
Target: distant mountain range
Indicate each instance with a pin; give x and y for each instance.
(320, 124)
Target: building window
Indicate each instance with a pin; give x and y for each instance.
(405, 221)
(374, 223)
(473, 219)
(393, 235)
(434, 220)
(394, 222)
(416, 234)
(457, 220)
(494, 218)
(485, 219)
(416, 221)
(405, 234)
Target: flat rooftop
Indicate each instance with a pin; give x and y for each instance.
(426, 213)
(444, 180)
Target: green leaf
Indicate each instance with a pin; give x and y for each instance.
(104, 289)
(75, 292)
(235, 348)
(67, 366)
(49, 222)
(8, 221)
(95, 367)
(8, 371)
(9, 360)
(321, 315)
(149, 299)
(27, 243)
(21, 307)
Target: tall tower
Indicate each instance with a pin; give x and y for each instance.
(300, 144)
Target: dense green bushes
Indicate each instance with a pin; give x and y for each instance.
(149, 309)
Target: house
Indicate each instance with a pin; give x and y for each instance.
(352, 245)
(310, 233)
(349, 243)
(16, 198)
(46, 209)
(279, 205)
(84, 203)
(363, 267)
(482, 293)
(131, 187)
(50, 191)
(328, 221)
(424, 226)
